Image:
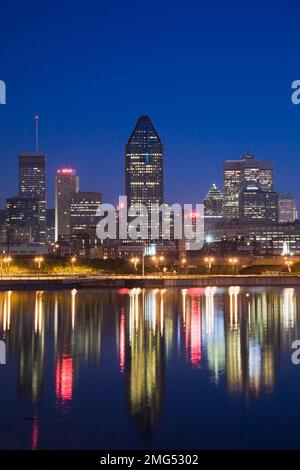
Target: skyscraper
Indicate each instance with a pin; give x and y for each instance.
(84, 219)
(22, 219)
(32, 184)
(247, 174)
(66, 184)
(287, 209)
(83, 212)
(144, 165)
(213, 202)
(258, 206)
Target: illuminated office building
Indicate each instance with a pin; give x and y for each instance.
(247, 174)
(66, 184)
(22, 219)
(213, 202)
(144, 165)
(83, 212)
(258, 206)
(287, 209)
(32, 184)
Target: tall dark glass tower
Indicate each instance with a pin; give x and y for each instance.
(144, 173)
(144, 165)
(32, 184)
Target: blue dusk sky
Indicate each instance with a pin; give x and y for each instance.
(215, 77)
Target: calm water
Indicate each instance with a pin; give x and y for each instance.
(128, 369)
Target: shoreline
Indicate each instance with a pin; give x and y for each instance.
(123, 281)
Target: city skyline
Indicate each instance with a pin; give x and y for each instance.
(87, 112)
(216, 180)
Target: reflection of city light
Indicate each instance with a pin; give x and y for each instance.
(64, 379)
(254, 364)
(195, 333)
(73, 310)
(122, 340)
(233, 293)
(153, 307)
(162, 311)
(123, 291)
(196, 291)
(184, 293)
(35, 434)
(6, 311)
(210, 309)
(38, 312)
(145, 362)
(133, 310)
(165, 327)
(288, 308)
(55, 321)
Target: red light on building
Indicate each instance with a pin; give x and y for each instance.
(66, 171)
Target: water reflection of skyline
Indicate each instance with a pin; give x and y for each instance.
(235, 335)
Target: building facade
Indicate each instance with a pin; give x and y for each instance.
(23, 219)
(247, 174)
(287, 209)
(213, 202)
(144, 155)
(83, 212)
(258, 206)
(32, 184)
(66, 184)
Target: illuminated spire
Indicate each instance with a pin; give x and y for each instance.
(36, 118)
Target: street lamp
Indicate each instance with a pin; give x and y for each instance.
(161, 258)
(233, 262)
(209, 261)
(39, 260)
(183, 264)
(135, 261)
(7, 260)
(73, 261)
(157, 259)
(154, 259)
(289, 263)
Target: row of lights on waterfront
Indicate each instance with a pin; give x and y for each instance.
(38, 260)
(156, 259)
(209, 261)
